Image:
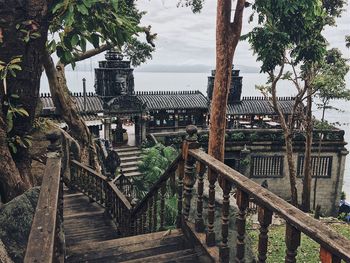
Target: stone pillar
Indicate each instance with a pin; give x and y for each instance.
(107, 129)
(244, 161)
(138, 130)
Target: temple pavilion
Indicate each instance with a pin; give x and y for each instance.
(115, 105)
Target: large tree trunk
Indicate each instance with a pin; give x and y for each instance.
(227, 36)
(11, 183)
(65, 105)
(306, 194)
(31, 16)
(291, 168)
(287, 127)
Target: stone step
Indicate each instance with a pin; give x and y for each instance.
(129, 154)
(124, 165)
(132, 174)
(127, 149)
(130, 158)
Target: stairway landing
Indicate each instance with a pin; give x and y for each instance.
(92, 237)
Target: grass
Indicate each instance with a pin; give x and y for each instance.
(308, 251)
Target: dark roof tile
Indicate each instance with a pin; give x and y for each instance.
(162, 100)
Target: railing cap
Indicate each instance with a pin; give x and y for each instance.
(55, 141)
(191, 131)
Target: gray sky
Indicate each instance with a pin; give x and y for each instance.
(187, 38)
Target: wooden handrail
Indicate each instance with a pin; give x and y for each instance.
(328, 239)
(89, 169)
(116, 191)
(44, 243)
(163, 178)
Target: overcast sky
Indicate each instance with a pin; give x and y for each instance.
(187, 38)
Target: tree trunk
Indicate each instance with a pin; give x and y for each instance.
(11, 183)
(227, 36)
(65, 106)
(31, 16)
(287, 128)
(306, 194)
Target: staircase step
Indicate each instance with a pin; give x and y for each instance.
(130, 158)
(129, 153)
(181, 256)
(127, 148)
(130, 248)
(130, 169)
(129, 164)
(132, 174)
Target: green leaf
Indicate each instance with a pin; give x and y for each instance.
(9, 120)
(95, 40)
(82, 9)
(74, 40)
(22, 112)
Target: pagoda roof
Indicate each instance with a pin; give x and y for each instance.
(166, 100)
(259, 106)
(93, 103)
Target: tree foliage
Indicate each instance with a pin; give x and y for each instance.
(76, 24)
(330, 81)
(290, 34)
(155, 160)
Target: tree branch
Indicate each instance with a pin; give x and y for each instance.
(90, 53)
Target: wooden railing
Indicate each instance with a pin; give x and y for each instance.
(149, 214)
(194, 167)
(125, 185)
(145, 217)
(333, 247)
(46, 240)
(103, 191)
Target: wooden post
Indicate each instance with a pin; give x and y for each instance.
(224, 248)
(210, 235)
(292, 240)
(199, 222)
(265, 219)
(189, 174)
(242, 199)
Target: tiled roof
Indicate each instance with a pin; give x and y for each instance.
(259, 105)
(162, 100)
(93, 102)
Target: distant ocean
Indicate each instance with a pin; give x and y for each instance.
(155, 81)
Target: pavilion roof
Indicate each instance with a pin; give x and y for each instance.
(166, 100)
(259, 106)
(93, 103)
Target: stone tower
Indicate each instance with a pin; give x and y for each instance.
(235, 89)
(114, 76)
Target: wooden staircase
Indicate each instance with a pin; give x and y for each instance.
(91, 236)
(129, 156)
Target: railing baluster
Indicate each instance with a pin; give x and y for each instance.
(265, 219)
(162, 205)
(150, 217)
(199, 222)
(224, 248)
(181, 171)
(189, 175)
(210, 237)
(242, 199)
(292, 240)
(327, 257)
(155, 214)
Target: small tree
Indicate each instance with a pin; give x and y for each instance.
(290, 34)
(329, 85)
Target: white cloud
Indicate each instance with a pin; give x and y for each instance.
(187, 38)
